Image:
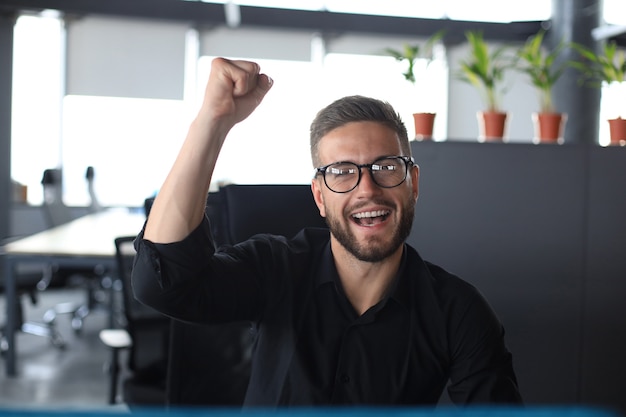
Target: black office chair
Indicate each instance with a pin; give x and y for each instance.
(30, 280)
(144, 334)
(55, 210)
(94, 202)
(282, 209)
(210, 364)
(34, 278)
(97, 284)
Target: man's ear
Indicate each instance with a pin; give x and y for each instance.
(415, 180)
(316, 189)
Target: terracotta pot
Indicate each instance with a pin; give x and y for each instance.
(549, 127)
(617, 128)
(492, 126)
(424, 123)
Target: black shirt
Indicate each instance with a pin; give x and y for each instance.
(312, 347)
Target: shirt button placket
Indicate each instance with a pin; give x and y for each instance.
(343, 386)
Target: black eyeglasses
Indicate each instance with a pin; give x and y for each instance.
(387, 172)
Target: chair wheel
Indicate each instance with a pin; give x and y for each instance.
(77, 324)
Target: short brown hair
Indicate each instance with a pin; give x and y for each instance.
(356, 109)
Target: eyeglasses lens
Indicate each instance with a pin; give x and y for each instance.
(345, 176)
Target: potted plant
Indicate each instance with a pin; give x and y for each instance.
(607, 66)
(485, 69)
(541, 67)
(410, 53)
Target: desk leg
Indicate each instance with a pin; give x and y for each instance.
(11, 316)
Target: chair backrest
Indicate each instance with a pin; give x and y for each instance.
(277, 209)
(210, 365)
(56, 211)
(94, 204)
(149, 331)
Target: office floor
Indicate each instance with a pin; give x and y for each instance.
(73, 377)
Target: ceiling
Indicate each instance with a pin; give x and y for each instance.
(204, 14)
(207, 14)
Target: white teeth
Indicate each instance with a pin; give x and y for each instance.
(365, 214)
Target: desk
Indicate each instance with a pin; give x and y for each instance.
(85, 242)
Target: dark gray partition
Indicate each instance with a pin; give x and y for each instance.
(506, 217)
(604, 343)
(541, 231)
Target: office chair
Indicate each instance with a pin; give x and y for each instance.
(209, 365)
(94, 280)
(33, 278)
(94, 205)
(30, 279)
(56, 212)
(143, 334)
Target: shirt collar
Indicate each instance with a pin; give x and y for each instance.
(327, 271)
(398, 291)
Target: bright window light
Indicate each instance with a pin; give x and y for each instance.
(498, 10)
(36, 102)
(131, 143)
(272, 144)
(615, 12)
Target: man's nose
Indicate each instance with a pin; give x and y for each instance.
(367, 185)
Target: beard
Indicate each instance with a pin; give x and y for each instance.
(375, 250)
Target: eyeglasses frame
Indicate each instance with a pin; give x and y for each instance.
(408, 161)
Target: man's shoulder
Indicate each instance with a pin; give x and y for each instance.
(307, 240)
(443, 282)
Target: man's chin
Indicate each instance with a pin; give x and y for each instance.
(371, 251)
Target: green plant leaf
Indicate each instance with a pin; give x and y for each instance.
(485, 69)
(411, 53)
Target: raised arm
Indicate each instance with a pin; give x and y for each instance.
(234, 90)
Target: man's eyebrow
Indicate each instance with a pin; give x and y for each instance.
(377, 158)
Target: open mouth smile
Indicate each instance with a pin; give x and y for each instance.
(370, 218)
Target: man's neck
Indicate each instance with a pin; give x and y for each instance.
(365, 283)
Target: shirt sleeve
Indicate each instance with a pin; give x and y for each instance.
(482, 367)
(188, 280)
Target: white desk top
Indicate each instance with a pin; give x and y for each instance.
(91, 235)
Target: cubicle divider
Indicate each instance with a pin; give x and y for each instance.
(541, 231)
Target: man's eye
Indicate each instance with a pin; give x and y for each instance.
(384, 167)
(340, 171)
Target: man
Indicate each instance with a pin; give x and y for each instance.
(350, 316)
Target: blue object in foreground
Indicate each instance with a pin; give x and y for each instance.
(486, 411)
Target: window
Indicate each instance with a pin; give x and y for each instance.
(132, 142)
(346, 74)
(614, 12)
(36, 102)
(612, 102)
(272, 146)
